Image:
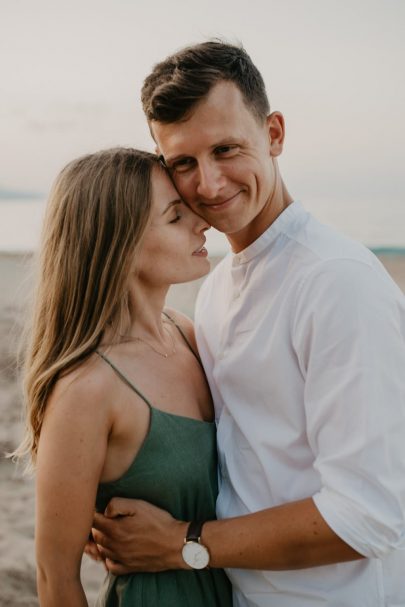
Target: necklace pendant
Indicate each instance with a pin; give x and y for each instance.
(140, 339)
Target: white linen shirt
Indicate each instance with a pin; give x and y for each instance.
(302, 336)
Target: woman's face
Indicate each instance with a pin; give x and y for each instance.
(173, 247)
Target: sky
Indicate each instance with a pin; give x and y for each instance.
(71, 73)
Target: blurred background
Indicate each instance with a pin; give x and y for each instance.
(71, 74)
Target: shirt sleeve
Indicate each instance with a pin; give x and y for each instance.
(349, 337)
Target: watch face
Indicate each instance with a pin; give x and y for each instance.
(196, 555)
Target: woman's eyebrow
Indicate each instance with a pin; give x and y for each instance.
(171, 204)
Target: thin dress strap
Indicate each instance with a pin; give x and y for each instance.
(180, 330)
(124, 379)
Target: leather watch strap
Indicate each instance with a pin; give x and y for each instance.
(194, 531)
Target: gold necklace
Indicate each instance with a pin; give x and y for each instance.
(164, 354)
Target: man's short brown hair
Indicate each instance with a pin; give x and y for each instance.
(183, 79)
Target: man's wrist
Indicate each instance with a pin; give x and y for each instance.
(194, 552)
(178, 533)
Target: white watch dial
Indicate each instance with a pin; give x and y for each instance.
(196, 555)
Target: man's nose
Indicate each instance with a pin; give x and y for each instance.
(210, 180)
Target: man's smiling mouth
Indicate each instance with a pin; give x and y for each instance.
(220, 205)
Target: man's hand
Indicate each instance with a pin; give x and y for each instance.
(134, 535)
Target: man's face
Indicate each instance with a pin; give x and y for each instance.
(222, 162)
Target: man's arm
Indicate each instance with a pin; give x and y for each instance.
(292, 536)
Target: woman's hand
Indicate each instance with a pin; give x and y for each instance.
(91, 550)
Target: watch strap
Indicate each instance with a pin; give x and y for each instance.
(194, 531)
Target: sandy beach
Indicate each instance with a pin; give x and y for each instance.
(17, 562)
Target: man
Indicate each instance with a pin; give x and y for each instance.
(302, 336)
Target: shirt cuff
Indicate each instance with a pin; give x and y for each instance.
(358, 528)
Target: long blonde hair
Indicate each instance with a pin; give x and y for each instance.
(96, 216)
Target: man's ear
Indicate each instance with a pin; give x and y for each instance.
(276, 130)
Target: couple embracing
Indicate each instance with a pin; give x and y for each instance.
(257, 459)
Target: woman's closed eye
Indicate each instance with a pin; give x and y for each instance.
(177, 216)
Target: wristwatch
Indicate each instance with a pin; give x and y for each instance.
(194, 553)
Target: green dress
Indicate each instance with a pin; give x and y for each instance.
(175, 469)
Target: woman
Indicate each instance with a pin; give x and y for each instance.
(118, 404)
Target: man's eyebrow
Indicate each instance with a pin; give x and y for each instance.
(171, 204)
(231, 140)
(170, 161)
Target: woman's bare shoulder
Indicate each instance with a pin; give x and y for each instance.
(86, 389)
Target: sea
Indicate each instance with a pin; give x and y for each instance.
(381, 227)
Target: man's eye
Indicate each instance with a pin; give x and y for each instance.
(226, 150)
(182, 165)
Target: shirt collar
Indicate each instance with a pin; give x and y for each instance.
(295, 211)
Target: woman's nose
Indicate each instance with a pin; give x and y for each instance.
(202, 225)
(196, 222)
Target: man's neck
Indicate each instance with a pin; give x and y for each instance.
(267, 216)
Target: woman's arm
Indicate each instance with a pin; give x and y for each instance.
(71, 454)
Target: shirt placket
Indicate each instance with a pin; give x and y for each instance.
(225, 421)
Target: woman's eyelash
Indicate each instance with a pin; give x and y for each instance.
(176, 219)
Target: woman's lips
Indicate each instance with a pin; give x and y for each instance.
(201, 252)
